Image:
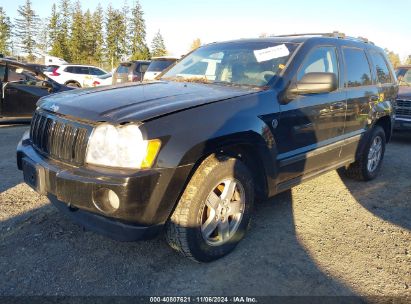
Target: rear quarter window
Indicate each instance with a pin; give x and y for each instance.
(357, 68)
(381, 67)
(122, 69)
(2, 72)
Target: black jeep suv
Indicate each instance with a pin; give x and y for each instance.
(232, 122)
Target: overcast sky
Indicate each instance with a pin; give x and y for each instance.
(387, 23)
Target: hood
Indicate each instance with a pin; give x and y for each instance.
(404, 93)
(136, 102)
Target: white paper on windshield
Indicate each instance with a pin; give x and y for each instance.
(271, 53)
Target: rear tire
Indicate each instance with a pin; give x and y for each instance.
(370, 159)
(214, 211)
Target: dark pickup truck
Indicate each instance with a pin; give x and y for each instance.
(231, 123)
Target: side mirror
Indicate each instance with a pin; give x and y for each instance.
(314, 83)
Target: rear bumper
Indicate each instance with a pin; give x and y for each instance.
(402, 123)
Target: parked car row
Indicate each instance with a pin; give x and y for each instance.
(77, 76)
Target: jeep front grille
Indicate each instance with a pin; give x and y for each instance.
(59, 138)
(403, 107)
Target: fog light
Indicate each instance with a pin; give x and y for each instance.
(106, 200)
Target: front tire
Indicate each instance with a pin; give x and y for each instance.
(214, 211)
(369, 163)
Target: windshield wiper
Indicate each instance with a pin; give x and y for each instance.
(233, 84)
(187, 79)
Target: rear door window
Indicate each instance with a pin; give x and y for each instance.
(95, 71)
(383, 72)
(82, 70)
(357, 68)
(122, 69)
(322, 59)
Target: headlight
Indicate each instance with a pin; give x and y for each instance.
(122, 146)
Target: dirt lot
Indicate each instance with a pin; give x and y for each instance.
(326, 237)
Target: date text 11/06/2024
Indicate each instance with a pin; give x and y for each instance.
(203, 300)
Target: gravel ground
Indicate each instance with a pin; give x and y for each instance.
(328, 236)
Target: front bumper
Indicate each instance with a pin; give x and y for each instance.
(147, 197)
(402, 123)
(108, 227)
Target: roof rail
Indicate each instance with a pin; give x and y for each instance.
(335, 34)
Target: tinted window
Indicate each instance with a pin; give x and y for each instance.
(159, 65)
(407, 76)
(69, 69)
(2, 72)
(51, 68)
(383, 72)
(95, 71)
(358, 71)
(25, 77)
(81, 70)
(122, 69)
(322, 59)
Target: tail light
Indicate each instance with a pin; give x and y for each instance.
(54, 73)
(96, 83)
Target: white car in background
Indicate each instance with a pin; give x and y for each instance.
(97, 81)
(73, 75)
(157, 65)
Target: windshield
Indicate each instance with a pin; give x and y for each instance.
(240, 63)
(404, 76)
(160, 65)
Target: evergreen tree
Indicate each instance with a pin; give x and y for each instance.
(125, 35)
(43, 37)
(26, 29)
(88, 39)
(115, 35)
(98, 39)
(53, 33)
(76, 42)
(139, 49)
(5, 32)
(196, 44)
(64, 25)
(158, 47)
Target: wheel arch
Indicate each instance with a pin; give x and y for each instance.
(386, 124)
(248, 147)
(72, 81)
